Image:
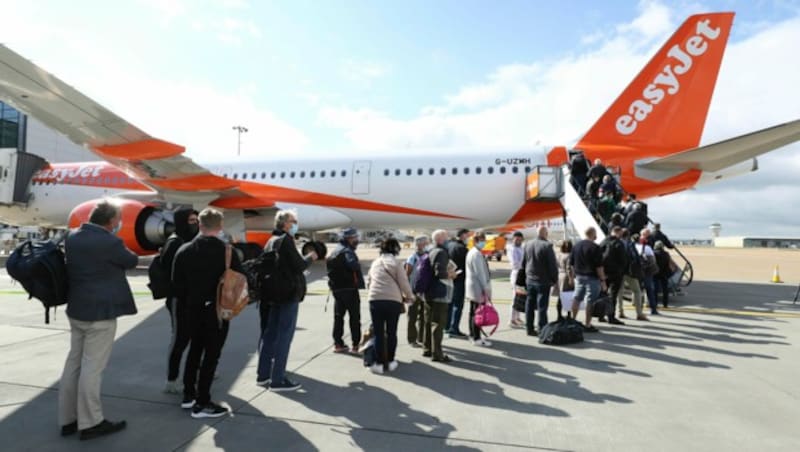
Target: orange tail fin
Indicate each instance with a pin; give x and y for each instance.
(664, 109)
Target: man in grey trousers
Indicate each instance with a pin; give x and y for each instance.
(98, 294)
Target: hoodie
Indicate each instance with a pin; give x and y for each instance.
(183, 234)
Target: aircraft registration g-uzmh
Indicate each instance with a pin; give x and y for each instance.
(651, 133)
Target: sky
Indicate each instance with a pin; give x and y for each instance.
(356, 78)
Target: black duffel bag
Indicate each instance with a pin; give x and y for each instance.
(563, 331)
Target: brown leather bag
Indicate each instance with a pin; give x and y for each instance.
(232, 291)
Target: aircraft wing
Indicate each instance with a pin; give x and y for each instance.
(157, 163)
(723, 154)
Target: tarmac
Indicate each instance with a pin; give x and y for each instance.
(717, 372)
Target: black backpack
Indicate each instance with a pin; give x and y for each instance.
(159, 279)
(41, 269)
(258, 272)
(615, 256)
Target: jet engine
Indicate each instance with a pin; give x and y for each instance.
(144, 227)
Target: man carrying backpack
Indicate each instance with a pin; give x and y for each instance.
(345, 278)
(615, 263)
(98, 293)
(633, 277)
(416, 311)
(283, 291)
(457, 250)
(186, 228)
(196, 271)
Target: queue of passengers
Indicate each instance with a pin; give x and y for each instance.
(431, 286)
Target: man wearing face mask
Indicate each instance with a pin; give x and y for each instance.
(186, 228)
(345, 278)
(98, 293)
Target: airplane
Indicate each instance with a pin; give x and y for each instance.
(651, 133)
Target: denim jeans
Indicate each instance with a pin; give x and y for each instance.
(385, 314)
(538, 297)
(650, 288)
(276, 341)
(588, 288)
(456, 306)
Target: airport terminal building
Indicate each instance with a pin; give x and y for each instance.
(25, 134)
(756, 242)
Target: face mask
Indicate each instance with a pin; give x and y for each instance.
(480, 245)
(293, 229)
(117, 228)
(192, 229)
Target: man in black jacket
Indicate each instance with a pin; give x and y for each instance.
(196, 270)
(186, 228)
(457, 250)
(615, 264)
(541, 273)
(98, 293)
(345, 278)
(284, 291)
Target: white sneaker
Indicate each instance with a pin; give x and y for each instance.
(376, 368)
(393, 366)
(485, 343)
(173, 387)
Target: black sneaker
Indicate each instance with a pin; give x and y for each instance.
(69, 429)
(614, 321)
(533, 333)
(210, 409)
(101, 429)
(187, 403)
(285, 386)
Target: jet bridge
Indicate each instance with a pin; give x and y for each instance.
(16, 172)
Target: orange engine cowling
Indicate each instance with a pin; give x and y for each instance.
(144, 228)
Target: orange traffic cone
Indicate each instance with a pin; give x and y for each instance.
(776, 277)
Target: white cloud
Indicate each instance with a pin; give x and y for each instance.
(363, 71)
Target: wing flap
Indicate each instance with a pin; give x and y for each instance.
(723, 154)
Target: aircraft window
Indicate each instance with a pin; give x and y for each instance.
(386, 172)
(283, 174)
(263, 175)
(466, 170)
(527, 169)
(225, 175)
(419, 171)
(397, 172)
(235, 176)
(244, 176)
(514, 169)
(333, 173)
(254, 176)
(322, 173)
(455, 171)
(107, 180)
(490, 170)
(115, 180)
(502, 170)
(291, 174)
(344, 173)
(302, 174)
(431, 171)
(408, 172)
(312, 174)
(443, 171)
(272, 175)
(478, 170)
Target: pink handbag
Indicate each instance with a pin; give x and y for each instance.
(486, 315)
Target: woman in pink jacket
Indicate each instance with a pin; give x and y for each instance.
(388, 288)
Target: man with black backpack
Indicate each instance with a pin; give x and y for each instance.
(283, 291)
(632, 280)
(186, 228)
(615, 263)
(98, 294)
(437, 297)
(345, 278)
(196, 271)
(457, 250)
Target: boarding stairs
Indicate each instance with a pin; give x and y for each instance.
(551, 183)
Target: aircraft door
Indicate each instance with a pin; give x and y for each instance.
(8, 169)
(361, 177)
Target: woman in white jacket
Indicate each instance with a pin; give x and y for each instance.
(388, 287)
(478, 286)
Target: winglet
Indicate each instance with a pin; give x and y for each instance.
(664, 109)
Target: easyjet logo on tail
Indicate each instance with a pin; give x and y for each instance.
(667, 82)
